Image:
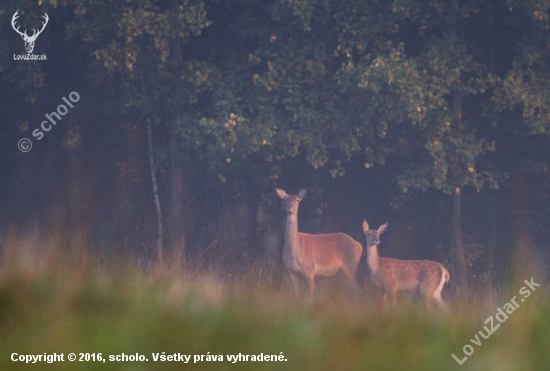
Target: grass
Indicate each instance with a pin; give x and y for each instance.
(54, 301)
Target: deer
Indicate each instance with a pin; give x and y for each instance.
(29, 40)
(311, 255)
(393, 275)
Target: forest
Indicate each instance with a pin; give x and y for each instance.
(143, 144)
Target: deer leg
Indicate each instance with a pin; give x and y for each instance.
(431, 292)
(428, 301)
(393, 297)
(440, 302)
(427, 289)
(295, 282)
(384, 298)
(350, 275)
(311, 285)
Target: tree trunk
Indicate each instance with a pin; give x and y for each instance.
(458, 246)
(176, 171)
(456, 227)
(254, 201)
(155, 192)
(492, 247)
(521, 229)
(176, 190)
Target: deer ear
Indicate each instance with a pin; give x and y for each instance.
(302, 193)
(382, 228)
(281, 193)
(365, 225)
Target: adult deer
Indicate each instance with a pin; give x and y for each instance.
(313, 255)
(394, 275)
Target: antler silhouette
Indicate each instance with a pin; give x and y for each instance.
(29, 40)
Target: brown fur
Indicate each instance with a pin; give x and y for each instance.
(313, 255)
(393, 275)
(327, 253)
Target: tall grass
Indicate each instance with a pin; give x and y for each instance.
(63, 300)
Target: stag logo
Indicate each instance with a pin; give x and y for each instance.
(29, 40)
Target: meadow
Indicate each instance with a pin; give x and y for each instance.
(66, 299)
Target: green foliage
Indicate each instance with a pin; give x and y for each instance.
(327, 80)
(387, 102)
(526, 86)
(131, 42)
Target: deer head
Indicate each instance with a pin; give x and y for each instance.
(29, 40)
(291, 201)
(373, 236)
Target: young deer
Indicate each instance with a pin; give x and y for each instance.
(406, 275)
(313, 255)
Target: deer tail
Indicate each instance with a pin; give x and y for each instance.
(445, 277)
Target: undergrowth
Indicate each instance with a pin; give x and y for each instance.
(68, 300)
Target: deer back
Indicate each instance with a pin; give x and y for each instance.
(409, 274)
(330, 248)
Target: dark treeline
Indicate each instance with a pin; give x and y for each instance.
(431, 115)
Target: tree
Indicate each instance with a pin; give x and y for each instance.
(139, 45)
(422, 96)
(522, 108)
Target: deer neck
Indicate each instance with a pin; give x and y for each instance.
(373, 259)
(292, 242)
